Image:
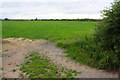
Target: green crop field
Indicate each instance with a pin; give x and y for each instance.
(66, 34)
(51, 30)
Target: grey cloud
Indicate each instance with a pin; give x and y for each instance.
(78, 7)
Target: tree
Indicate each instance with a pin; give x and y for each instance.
(36, 19)
(108, 33)
(6, 19)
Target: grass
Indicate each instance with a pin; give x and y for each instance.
(1, 68)
(13, 70)
(0, 29)
(66, 34)
(37, 66)
(52, 30)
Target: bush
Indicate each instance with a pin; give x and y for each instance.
(108, 37)
(103, 49)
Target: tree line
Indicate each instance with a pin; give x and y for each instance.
(85, 19)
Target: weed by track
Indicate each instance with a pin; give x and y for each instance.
(37, 66)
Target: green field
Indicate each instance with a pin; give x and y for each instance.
(51, 30)
(66, 34)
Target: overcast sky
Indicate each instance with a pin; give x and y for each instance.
(52, 9)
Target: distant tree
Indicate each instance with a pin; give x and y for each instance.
(31, 19)
(6, 19)
(36, 19)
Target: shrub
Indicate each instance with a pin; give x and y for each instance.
(108, 37)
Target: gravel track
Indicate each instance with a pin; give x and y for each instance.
(15, 50)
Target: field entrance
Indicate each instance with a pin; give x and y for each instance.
(44, 37)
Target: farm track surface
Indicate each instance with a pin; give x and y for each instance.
(15, 50)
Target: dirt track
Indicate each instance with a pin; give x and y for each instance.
(15, 50)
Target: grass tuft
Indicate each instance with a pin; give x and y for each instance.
(40, 67)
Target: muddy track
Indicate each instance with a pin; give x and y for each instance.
(15, 50)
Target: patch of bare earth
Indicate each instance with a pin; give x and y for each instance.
(15, 50)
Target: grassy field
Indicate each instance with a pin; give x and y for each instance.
(66, 34)
(51, 30)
